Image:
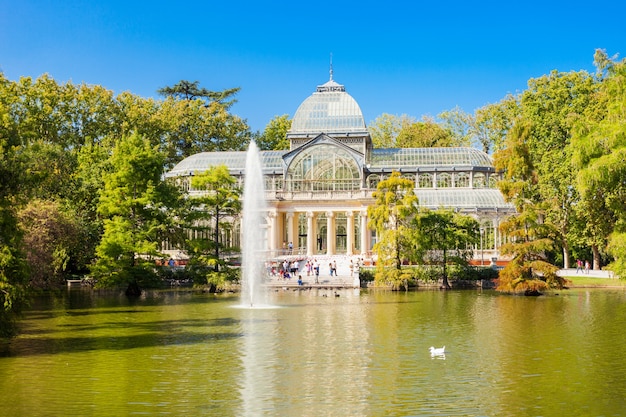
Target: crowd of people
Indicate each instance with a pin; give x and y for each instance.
(288, 269)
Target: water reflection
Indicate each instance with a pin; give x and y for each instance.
(364, 353)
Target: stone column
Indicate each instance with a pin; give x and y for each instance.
(496, 234)
(289, 216)
(365, 234)
(350, 233)
(310, 233)
(273, 233)
(331, 233)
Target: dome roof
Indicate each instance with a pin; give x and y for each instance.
(328, 110)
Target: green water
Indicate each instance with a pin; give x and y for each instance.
(359, 354)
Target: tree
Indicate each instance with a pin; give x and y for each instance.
(190, 90)
(394, 207)
(274, 137)
(184, 128)
(447, 236)
(529, 270)
(13, 277)
(600, 145)
(425, 134)
(135, 205)
(210, 215)
(459, 124)
(492, 122)
(530, 237)
(51, 240)
(385, 129)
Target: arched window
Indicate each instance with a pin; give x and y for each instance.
(425, 181)
(479, 180)
(410, 177)
(323, 168)
(372, 181)
(462, 180)
(444, 180)
(492, 181)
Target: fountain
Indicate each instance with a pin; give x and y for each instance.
(253, 239)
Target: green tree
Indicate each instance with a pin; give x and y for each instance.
(529, 270)
(274, 137)
(492, 122)
(390, 216)
(51, 240)
(385, 129)
(211, 215)
(530, 238)
(552, 104)
(184, 128)
(600, 145)
(447, 236)
(459, 124)
(190, 90)
(425, 134)
(135, 205)
(13, 277)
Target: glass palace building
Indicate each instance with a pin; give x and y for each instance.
(319, 190)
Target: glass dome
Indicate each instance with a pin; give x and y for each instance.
(329, 110)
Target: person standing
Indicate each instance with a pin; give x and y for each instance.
(316, 267)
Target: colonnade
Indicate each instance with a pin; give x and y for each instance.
(316, 232)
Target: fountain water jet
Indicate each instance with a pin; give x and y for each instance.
(254, 234)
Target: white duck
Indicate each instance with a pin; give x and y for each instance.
(437, 351)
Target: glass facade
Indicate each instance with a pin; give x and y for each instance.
(318, 192)
(323, 168)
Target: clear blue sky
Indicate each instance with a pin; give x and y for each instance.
(399, 57)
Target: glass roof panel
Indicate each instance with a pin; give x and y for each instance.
(428, 157)
(462, 198)
(235, 161)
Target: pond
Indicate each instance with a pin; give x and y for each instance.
(319, 353)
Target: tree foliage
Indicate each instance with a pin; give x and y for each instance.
(51, 241)
(274, 137)
(190, 90)
(394, 207)
(600, 152)
(210, 216)
(385, 129)
(446, 237)
(135, 204)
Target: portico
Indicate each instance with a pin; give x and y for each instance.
(319, 230)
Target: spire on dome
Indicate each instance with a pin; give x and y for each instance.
(331, 85)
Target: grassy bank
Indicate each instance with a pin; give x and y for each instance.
(581, 281)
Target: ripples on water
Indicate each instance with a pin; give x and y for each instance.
(359, 354)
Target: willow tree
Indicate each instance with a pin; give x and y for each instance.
(391, 217)
(600, 153)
